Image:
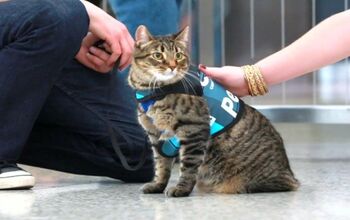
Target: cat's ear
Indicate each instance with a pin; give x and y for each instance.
(183, 35)
(142, 35)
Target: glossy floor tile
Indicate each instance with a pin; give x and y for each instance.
(319, 155)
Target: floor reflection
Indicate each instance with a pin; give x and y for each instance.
(319, 155)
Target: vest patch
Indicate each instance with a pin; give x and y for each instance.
(224, 107)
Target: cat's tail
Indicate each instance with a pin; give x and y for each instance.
(283, 182)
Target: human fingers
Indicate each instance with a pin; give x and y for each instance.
(101, 54)
(98, 64)
(131, 44)
(107, 47)
(114, 34)
(116, 51)
(82, 58)
(212, 72)
(126, 55)
(90, 39)
(231, 77)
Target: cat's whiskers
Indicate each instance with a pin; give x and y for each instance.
(183, 74)
(150, 82)
(190, 84)
(192, 75)
(188, 81)
(154, 84)
(184, 85)
(195, 73)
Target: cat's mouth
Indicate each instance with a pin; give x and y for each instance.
(165, 76)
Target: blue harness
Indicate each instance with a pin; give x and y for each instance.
(224, 107)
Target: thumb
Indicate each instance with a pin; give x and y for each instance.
(216, 73)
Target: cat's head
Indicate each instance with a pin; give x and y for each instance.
(158, 60)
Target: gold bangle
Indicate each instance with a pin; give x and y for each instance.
(260, 80)
(255, 81)
(249, 77)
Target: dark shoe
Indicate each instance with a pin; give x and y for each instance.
(13, 177)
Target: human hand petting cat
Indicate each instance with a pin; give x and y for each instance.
(231, 77)
(118, 42)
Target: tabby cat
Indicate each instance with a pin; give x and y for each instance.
(248, 157)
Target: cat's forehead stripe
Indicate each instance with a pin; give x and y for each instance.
(169, 45)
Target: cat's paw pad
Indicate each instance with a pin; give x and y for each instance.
(177, 192)
(153, 188)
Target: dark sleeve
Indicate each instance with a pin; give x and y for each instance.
(75, 17)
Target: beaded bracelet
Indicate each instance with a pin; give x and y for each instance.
(255, 81)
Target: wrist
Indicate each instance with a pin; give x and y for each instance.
(242, 86)
(254, 80)
(92, 12)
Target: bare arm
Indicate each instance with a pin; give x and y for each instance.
(324, 44)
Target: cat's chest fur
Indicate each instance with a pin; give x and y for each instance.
(176, 110)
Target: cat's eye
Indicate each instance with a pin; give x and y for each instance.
(178, 56)
(157, 55)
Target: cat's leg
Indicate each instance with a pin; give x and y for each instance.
(193, 134)
(152, 132)
(162, 165)
(193, 140)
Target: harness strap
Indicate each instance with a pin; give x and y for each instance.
(225, 108)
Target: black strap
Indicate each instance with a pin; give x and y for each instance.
(111, 130)
(114, 141)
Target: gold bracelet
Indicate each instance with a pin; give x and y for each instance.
(255, 81)
(260, 80)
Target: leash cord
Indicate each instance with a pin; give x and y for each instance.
(113, 138)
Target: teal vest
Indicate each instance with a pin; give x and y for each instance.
(224, 107)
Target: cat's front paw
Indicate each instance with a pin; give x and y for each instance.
(177, 192)
(153, 187)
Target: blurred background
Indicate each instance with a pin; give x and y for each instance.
(245, 31)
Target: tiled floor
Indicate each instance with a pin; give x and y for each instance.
(320, 157)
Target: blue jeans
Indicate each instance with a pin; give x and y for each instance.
(50, 104)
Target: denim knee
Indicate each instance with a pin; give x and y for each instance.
(63, 25)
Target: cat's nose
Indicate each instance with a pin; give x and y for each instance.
(172, 65)
(172, 68)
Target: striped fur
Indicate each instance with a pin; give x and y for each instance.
(247, 158)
